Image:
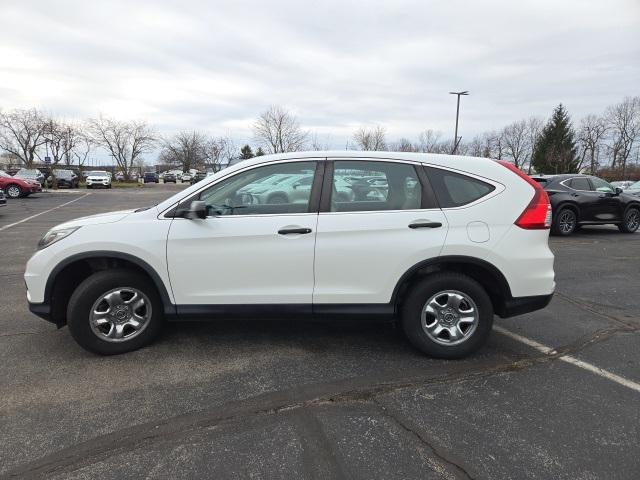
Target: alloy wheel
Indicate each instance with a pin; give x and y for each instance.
(13, 191)
(633, 220)
(567, 221)
(120, 314)
(450, 317)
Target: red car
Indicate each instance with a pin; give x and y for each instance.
(15, 187)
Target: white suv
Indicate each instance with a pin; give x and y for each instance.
(446, 244)
(98, 178)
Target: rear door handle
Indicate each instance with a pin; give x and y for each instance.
(289, 231)
(425, 225)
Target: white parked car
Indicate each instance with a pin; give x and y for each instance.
(449, 242)
(98, 178)
(186, 177)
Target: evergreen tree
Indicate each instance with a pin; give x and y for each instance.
(259, 152)
(246, 152)
(555, 150)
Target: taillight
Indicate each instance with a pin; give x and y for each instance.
(537, 215)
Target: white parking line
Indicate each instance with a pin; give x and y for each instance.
(572, 360)
(42, 213)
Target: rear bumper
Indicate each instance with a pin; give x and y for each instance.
(520, 305)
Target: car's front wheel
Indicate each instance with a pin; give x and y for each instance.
(565, 222)
(114, 311)
(13, 191)
(447, 315)
(631, 221)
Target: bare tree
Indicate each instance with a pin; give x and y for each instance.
(371, 139)
(125, 141)
(279, 131)
(22, 133)
(624, 123)
(186, 149)
(317, 144)
(404, 145)
(515, 138)
(217, 150)
(591, 134)
(534, 130)
(429, 141)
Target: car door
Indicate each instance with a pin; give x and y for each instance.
(608, 207)
(583, 194)
(367, 239)
(246, 251)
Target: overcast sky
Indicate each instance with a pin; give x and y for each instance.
(214, 65)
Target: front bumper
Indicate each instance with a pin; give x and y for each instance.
(103, 183)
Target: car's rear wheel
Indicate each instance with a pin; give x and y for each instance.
(447, 315)
(631, 221)
(565, 222)
(114, 311)
(13, 191)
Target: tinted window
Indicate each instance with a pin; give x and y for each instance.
(368, 186)
(273, 189)
(580, 184)
(601, 186)
(455, 190)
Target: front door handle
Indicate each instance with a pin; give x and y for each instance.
(289, 231)
(425, 225)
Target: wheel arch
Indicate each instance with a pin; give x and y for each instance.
(70, 272)
(570, 205)
(485, 273)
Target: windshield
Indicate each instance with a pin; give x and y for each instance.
(634, 186)
(98, 173)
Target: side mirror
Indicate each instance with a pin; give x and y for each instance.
(618, 190)
(197, 209)
(296, 185)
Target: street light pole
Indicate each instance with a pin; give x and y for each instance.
(456, 140)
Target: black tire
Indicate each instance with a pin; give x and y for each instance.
(109, 186)
(419, 295)
(89, 186)
(13, 191)
(90, 290)
(631, 221)
(565, 222)
(278, 199)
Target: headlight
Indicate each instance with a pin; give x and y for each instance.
(55, 234)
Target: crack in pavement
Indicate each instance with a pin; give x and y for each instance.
(449, 466)
(592, 309)
(272, 403)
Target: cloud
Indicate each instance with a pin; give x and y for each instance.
(214, 66)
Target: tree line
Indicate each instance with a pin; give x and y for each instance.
(609, 140)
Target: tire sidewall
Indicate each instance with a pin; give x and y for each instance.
(411, 312)
(83, 298)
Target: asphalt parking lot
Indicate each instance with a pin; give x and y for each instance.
(555, 394)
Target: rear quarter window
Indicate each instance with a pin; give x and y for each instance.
(456, 190)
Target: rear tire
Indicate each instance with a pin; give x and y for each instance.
(564, 223)
(631, 221)
(431, 305)
(91, 296)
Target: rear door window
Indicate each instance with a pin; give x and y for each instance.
(456, 190)
(580, 184)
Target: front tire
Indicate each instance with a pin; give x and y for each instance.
(13, 191)
(447, 315)
(564, 223)
(631, 221)
(115, 311)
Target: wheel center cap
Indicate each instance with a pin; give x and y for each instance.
(449, 317)
(121, 313)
